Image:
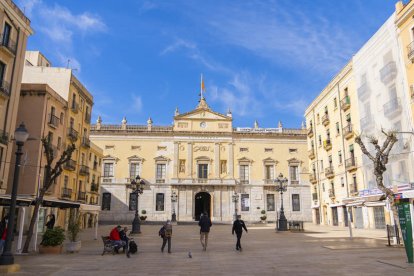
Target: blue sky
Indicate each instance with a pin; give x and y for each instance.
(266, 60)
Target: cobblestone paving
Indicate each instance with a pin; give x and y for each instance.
(317, 251)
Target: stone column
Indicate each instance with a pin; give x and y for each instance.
(217, 160)
(176, 159)
(190, 160)
(231, 161)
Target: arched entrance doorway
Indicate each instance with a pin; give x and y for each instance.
(202, 204)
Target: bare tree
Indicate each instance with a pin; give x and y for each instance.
(380, 161)
(51, 173)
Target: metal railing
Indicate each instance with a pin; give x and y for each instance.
(74, 107)
(53, 120)
(410, 51)
(325, 119)
(84, 170)
(72, 133)
(363, 90)
(9, 43)
(5, 88)
(350, 163)
(327, 145)
(310, 131)
(388, 72)
(86, 142)
(81, 195)
(331, 193)
(314, 196)
(329, 171)
(159, 180)
(312, 178)
(347, 130)
(244, 181)
(94, 187)
(70, 165)
(87, 117)
(66, 193)
(311, 153)
(345, 103)
(391, 106)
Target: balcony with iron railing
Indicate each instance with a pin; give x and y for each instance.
(325, 119)
(345, 103)
(347, 131)
(66, 193)
(367, 122)
(53, 121)
(353, 189)
(4, 137)
(351, 164)
(329, 172)
(268, 181)
(244, 181)
(94, 187)
(327, 145)
(84, 170)
(392, 108)
(311, 153)
(87, 117)
(160, 180)
(294, 182)
(312, 178)
(331, 193)
(410, 51)
(388, 72)
(310, 132)
(8, 45)
(70, 165)
(81, 196)
(363, 91)
(86, 142)
(72, 134)
(4, 89)
(95, 165)
(74, 107)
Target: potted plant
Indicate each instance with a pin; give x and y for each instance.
(143, 217)
(263, 217)
(52, 241)
(74, 244)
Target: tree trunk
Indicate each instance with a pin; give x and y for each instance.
(32, 224)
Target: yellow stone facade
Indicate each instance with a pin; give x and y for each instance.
(204, 161)
(14, 29)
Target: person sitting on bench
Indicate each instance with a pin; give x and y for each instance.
(116, 239)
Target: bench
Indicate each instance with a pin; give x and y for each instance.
(295, 225)
(109, 247)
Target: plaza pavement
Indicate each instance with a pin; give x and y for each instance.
(317, 251)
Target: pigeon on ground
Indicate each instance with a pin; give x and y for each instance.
(189, 254)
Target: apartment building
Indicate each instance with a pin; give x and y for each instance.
(375, 81)
(202, 164)
(15, 29)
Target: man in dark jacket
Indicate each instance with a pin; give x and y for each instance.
(238, 226)
(205, 224)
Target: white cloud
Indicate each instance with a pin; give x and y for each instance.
(178, 44)
(28, 5)
(136, 105)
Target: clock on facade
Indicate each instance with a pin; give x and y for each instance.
(203, 124)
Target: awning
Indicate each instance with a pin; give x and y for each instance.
(47, 202)
(20, 201)
(89, 208)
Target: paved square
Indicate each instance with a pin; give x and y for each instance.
(319, 251)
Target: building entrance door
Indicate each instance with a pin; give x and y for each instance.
(317, 216)
(335, 216)
(202, 204)
(359, 221)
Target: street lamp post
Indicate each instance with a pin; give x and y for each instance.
(20, 135)
(173, 200)
(138, 185)
(235, 198)
(281, 186)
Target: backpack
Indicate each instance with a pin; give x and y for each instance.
(161, 233)
(133, 248)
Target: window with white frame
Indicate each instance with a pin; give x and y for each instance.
(295, 202)
(134, 169)
(160, 174)
(245, 202)
(159, 202)
(244, 174)
(269, 173)
(270, 202)
(108, 169)
(294, 174)
(202, 171)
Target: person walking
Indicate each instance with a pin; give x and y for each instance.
(205, 224)
(166, 234)
(51, 223)
(238, 226)
(3, 232)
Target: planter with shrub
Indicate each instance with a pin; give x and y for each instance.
(143, 217)
(52, 241)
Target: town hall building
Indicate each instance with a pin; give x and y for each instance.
(199, 164)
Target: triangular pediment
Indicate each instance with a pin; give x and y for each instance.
(294, 161)
(202, 114)
(270, 160)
